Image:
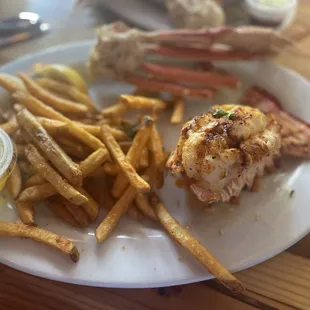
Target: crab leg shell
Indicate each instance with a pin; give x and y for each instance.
(211, 79)
(174, 89)
(200, 54)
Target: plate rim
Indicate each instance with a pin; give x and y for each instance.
(63, 278)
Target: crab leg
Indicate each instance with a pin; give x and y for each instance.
(211, 79)
(174, 89)
(199, 54)
(201, 36)
(295, 132)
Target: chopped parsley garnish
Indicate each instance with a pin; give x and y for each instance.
(221, 113)
(292, 193)
(129, 129)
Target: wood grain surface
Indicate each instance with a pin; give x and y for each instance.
(280, 283)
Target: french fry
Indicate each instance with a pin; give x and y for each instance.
(144, 159)
(190, 243)
(50, 148)
(119, 157)
(52, 126)
(50, 175)
(77, 212)
(60, 104)
(69, 91)
(36, 179)
(11, 83)
(17, 107)
(14, 182)
(55, 127)
(26, 168)
(114, 111)
(144, 206)
(40, 235)
(133, 155)
(113, 217)
(178, 111)
(90, 207)
(139, 102)
(158, 156)
(61, 212)
(38, 108)
(10, 127)
(25, 212)
(100, 191)
(37, 192)
(93, 162)
(73, 148)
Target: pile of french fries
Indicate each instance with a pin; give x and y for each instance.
(78, 159)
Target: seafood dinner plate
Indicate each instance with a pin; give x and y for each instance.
(142, 254)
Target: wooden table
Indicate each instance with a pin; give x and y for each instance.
(275, 284)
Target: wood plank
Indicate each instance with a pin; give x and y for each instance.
(284, 278)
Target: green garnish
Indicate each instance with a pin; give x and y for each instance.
(221, 113)
(292, 193)
(129, 129)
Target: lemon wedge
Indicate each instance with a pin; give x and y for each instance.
(62, 73)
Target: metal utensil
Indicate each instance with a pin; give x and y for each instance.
(24, 26)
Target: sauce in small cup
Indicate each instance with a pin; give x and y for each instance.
(7, 157)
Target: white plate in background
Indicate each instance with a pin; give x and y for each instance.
(142, 254)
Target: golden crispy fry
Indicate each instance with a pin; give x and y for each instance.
(11, 83)
(26, 168)
(119, 157)
(178, 111)
(17, 107)
(52, 126)
(37, 192)
(104, 121)
(50, 175)
(60, 104)
(116, 110)
(100, 191)
(40, 235)
(36, 179)
(14, 182)
(139, 102)
(77, 212)
(25, 212)
(73, 148)
(62, 162)
(144, 206)
(133, 155)
(61, 212)
(10, 127)
(113, 217)
(111, 169)
(55, 127)
(90, 207)
(190, 243)
(38, 108)
(144, 159)
(93, 162)
(158, 156)
(68, 91)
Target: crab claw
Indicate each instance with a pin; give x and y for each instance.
(295, 133)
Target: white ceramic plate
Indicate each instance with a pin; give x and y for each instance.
(141, 254)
